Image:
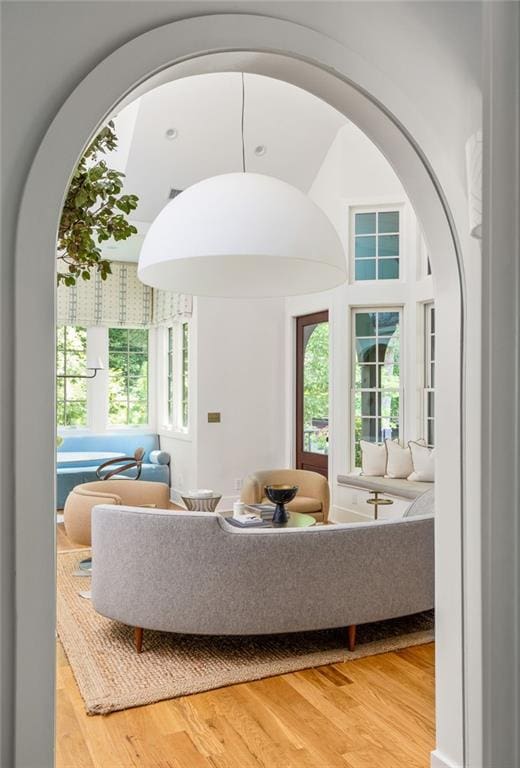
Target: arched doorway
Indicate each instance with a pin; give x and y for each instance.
(320, 65)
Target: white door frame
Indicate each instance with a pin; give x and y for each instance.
(321, 65)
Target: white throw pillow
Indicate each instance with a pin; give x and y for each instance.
(423, 459)
(373, 459)
(399, 460)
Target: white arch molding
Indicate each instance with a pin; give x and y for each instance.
(301, 56)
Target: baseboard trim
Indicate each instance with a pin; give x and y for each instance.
(348, 515)
(438, 760)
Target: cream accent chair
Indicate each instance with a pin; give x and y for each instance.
(81, 500)
(313, 497)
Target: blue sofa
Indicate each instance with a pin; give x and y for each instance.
(156, 463)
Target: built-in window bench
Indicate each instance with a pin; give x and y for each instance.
(353, 490)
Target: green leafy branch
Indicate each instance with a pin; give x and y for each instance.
(94, 211)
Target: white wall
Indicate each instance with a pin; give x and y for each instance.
(240, 374)
(421, 54)
(354, 173)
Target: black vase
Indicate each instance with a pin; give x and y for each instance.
(280, 495)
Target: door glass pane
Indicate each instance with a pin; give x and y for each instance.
(316, 388)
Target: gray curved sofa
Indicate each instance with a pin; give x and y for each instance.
(191, 572)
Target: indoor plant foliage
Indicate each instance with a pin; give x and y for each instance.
(94, 211)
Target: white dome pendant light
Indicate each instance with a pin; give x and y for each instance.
(242, 235)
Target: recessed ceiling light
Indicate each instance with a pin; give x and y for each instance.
(260, 150)
(171, 133)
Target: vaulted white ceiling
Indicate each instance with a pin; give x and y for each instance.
(190, 129)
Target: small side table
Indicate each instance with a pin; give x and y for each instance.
(201, 503)
(377, 502)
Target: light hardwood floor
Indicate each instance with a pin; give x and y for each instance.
(370, 713)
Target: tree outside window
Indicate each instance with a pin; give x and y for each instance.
(128, 369)
(71, 393)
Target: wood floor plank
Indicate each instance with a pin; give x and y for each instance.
(376, 712)
(381, 717)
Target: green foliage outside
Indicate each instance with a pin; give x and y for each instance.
(128, 368)
(94, 211)
(71, 394)
(316, 390)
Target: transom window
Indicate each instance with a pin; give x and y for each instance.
(71, 393)
(376, 245)
(128, 382)
(377, 392)
(429, 374)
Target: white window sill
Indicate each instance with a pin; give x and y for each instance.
(175, 434)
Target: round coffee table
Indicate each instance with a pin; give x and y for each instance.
(296, 520)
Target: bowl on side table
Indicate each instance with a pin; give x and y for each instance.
(280, 495)
(201, 501)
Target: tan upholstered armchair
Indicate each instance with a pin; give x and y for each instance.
(82, 499)
(313, 497)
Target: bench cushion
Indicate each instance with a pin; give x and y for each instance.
(406, 489)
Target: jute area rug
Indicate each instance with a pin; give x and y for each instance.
(111, 676)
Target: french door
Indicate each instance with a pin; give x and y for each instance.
(312, 392)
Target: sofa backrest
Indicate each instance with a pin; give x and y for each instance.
(114, 442)
(193, 572)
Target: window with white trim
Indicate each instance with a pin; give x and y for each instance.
(71, 393)
(376, 380)
(178, 377)
(429, 374)
(128, 376)
(376, 244)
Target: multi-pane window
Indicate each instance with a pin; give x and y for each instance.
(128, 384)
(376, 245)
(178, 376)
(71, 393)
(429, 374)
(185, 381)
(171, 375)
(376, 377)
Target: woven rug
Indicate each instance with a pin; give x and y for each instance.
(111, 676)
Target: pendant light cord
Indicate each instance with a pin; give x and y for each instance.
(243, 111)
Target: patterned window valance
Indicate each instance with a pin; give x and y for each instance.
(121, 300)
(170, 306)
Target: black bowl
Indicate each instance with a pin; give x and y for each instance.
(281, 494)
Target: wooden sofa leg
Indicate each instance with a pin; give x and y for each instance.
(351, 631)
(138, 639)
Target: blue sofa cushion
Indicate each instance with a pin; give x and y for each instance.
(159, 457)
(115, 442)
(155, 463)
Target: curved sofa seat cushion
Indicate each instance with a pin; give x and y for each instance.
(81, 500)
(406, 489)
(68, 478)
(191, 572)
